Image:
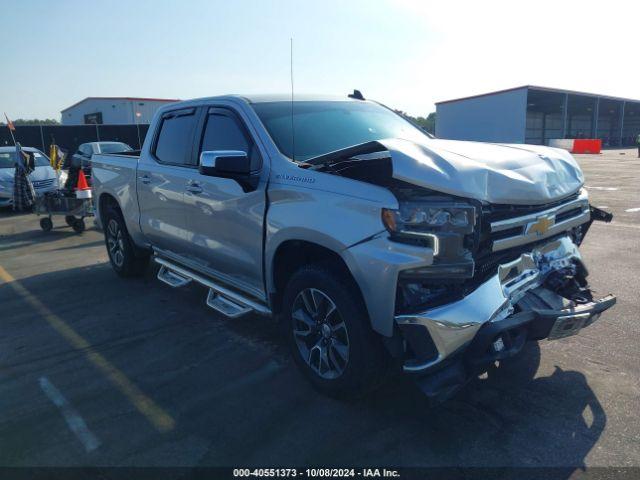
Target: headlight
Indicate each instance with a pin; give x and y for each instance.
(62, 179)
(431, 223)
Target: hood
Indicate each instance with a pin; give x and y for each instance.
(496, 173)
(42, 173)
(39, 173)
(6, 174)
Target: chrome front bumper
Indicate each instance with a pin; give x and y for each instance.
(455, 325)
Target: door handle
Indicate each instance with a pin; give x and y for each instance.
(146, 179)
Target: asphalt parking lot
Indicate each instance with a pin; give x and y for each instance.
(97, 370)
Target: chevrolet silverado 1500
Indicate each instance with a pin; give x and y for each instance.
(373, 243)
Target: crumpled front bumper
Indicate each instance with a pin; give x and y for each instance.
(495, 320)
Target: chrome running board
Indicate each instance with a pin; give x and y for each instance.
(222, 299)
(171, 278)
(225, 306)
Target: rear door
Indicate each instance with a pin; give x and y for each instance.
(162, 175)
(226, 215)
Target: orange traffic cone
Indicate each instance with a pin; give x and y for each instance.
(82, 189)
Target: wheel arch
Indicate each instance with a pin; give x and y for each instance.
(106, 200)
(291, 255)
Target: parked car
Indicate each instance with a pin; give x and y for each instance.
(43, 177)
(372, 242)
(82, 157)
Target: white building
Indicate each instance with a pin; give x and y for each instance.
(112, 110)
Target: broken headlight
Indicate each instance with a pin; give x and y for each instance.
(441, 226)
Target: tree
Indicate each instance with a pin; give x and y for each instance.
(34, 121)
(427, 123)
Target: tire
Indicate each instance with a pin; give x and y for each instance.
(46, 224)
(338, 353)
(78, 226)
(70, 220)
(125, 258)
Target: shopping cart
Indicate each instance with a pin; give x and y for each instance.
(60, 203)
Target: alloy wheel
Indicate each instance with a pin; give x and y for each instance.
(115, 242)
(320, 333)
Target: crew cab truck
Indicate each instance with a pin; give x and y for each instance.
(371, 241)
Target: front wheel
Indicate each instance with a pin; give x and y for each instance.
(125, 260)
(330, 335)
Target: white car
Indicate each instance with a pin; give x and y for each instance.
(43, 177)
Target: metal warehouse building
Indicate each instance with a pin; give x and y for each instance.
(112, 110)
(531, 114)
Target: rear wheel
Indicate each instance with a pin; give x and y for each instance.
(70, 220)
(330, 335)
(125, 258)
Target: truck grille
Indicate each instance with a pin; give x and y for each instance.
(531, 224)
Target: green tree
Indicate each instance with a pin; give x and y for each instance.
(35, 121)
(427, 123)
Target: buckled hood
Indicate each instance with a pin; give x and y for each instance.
(496, 173)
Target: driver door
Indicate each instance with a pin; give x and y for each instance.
(225, 216)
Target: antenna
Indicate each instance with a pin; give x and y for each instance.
(293, 136)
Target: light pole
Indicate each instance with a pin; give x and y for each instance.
(138, 115)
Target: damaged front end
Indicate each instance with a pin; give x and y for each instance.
(541, 294)
(501, 273)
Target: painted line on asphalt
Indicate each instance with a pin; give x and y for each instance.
(608, 189)
(74, 421)
(630, 210)
(160, 419)
(618, 224)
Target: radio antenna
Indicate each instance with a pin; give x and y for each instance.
(293, 136)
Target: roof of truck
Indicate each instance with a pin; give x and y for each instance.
(276, 97)
(286, 97)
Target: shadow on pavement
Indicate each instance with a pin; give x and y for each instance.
(212, 374)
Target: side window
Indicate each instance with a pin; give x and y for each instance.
(85, 149)
(175, 138)
(224, 132)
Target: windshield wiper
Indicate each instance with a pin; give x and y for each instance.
(348, 154)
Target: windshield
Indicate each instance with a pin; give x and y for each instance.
(8, 159)
(323, 127)
(114, 147)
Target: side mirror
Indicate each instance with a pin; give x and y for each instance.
(225, 163)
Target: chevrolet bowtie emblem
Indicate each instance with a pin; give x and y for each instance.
(541, 225)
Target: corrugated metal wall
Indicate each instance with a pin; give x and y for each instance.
(499, 117)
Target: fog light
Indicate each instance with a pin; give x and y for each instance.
(498, 345)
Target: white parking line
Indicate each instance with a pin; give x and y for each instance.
(75, 422)
(602, 206)
(632, 210)
(601, 188)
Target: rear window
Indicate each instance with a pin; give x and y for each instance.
(114, 147)
(176, 137)
(8, 160)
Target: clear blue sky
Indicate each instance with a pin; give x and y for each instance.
(406, 54)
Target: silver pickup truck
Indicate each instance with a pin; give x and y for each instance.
(373, 243)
